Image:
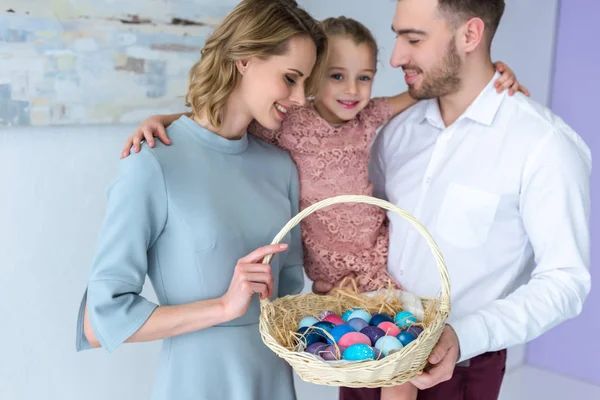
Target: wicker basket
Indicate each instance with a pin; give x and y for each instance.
(279, 319)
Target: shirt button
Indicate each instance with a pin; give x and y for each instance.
(428, 180)
(401, 272)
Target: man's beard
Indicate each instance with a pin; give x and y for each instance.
(441, 80)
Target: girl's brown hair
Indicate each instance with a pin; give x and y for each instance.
(254, 28)
(351, 29)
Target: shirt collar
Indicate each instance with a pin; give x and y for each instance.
(483, 109)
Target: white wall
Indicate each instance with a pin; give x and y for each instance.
(52, 205)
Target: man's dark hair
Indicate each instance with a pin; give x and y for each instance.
(458, 12)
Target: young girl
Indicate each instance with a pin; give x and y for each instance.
(329, 140)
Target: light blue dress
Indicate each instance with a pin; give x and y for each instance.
(183, 215)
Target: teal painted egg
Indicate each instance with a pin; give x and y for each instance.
(359, 352)
(346, 314)
(388, 344)
(307, 321)
(404, 319)
(405, 338)
(362, 314)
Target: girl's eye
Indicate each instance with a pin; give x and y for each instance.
(337, 77)
(414, 41)
(364, 78)
(290, 80)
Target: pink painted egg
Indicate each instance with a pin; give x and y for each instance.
(389, 328)
(354, 338)
(334, 319)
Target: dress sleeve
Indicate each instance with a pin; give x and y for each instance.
(269, 135)
(135, 217)
(376, 113)
(291, 278)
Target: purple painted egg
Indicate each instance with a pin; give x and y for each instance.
(315, 348)
(358, 324)
(354, 338)
(414, 330)
(373, 333)
(331, 353)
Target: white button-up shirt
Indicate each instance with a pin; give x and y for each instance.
(504, 191)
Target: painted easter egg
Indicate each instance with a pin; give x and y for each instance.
(359, 352)
(404, 319)
(388, 344)
(334, 319)
(321, 316)
(351, 338)
(309, 336)
(316, 347)
(339, 331)
(414, 330)
(377, 319)
(362, 314)
(389, 328)
(331, 353)
(307, 321)
(405, 338)
(373, 333)
(358, 324)
(347, 313)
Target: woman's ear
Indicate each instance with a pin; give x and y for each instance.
(242, 65)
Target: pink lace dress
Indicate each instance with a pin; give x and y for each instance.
(345, 239)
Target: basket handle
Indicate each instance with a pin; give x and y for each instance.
(441, 265)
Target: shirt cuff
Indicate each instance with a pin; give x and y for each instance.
(473, 336)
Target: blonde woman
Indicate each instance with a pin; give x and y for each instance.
(193, 217)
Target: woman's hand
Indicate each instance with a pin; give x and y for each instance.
(250, 277)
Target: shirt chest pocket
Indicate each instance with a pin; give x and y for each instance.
(466, 215)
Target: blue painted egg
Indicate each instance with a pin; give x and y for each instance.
(362, 314)
(373, 333)
(404, 319)
(405, 338)
(307, 321)
(339, 331)
(346, 314)
(358, 324)
(377, 319)
(388, 344)
(309, 336)
(359, 352)
(321, 327)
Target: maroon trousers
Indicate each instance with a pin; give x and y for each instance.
(481, 380)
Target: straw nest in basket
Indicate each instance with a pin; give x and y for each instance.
(279, 325)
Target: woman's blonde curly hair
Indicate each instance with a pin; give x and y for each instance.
(255, 28)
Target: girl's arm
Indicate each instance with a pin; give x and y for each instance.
(507, 80)
(151, 127)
